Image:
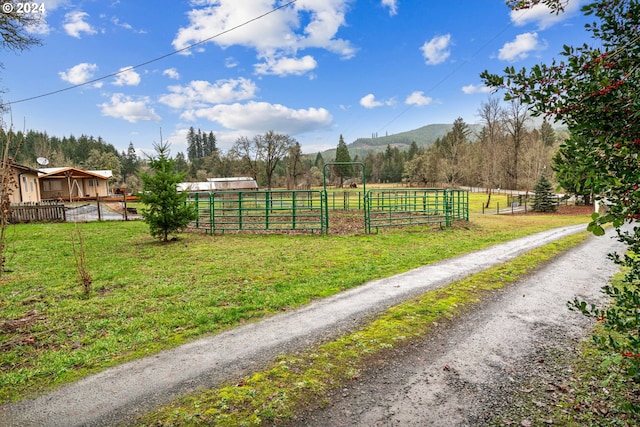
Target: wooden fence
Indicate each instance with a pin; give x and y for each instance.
(37, 212)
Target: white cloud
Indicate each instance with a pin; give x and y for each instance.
(287, 66)
(126, 25)
(472, 89)
(172, 73)
(127, 77)
(200, 93)
(75, 24)
(132, 110)
(542, 15)
(79, 74)
(306, 24)
(369, 101)
(392, 5)
(436, 50)
(418, 98)
(521, 47)
(262, 116)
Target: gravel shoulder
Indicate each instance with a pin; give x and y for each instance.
(450, 379)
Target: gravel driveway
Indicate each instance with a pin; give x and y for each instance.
(467, 373)
(454, 378)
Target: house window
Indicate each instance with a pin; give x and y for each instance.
(91, 181)
(51, 185)
(31, 186)
(24, 184)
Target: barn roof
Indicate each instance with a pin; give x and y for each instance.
(220, 184)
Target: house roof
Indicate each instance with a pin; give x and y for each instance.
(74, 173)
(24, 168)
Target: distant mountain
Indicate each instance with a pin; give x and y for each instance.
(423, 137)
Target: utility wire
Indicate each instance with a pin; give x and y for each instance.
(133, 67)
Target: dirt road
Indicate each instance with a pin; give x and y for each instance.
(453, 379)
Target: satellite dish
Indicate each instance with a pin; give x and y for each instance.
(42, 161)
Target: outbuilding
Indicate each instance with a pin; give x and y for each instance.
(220, 184)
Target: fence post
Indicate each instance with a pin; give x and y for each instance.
(240, 210)
(98, 205)
(324, 207)
(196, 202)
(212, 217)
(266, 209)
(367, 213)
(124, 205)
(447, 208)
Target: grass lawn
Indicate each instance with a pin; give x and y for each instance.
(147, 296)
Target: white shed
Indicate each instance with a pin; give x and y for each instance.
(220, 184)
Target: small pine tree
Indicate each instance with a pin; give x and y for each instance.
(166, 211)
(544, 200)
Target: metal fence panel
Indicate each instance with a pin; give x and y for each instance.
(414, 207)
(276, 210)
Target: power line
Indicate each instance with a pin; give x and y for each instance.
(133, 67)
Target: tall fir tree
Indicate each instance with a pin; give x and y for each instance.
(209, 145)
(130, 162)
(343, 156)
(192, 144)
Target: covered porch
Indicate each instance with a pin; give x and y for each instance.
(71, 184)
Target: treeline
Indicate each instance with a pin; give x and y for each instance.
(507, 152)
(83, 151)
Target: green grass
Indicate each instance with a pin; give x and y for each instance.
(148, 296)
(301, 380)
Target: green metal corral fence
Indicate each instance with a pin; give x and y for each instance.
(308, 210)
(414, 207)
(276, 210)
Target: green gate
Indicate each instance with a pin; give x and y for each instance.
(324, 185)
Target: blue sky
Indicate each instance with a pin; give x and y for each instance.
(314, 69)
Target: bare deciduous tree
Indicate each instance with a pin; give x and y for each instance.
(491, 144)
(516, 120)
(266, 150)
(8, 184)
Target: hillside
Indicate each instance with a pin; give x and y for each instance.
(424, 137)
